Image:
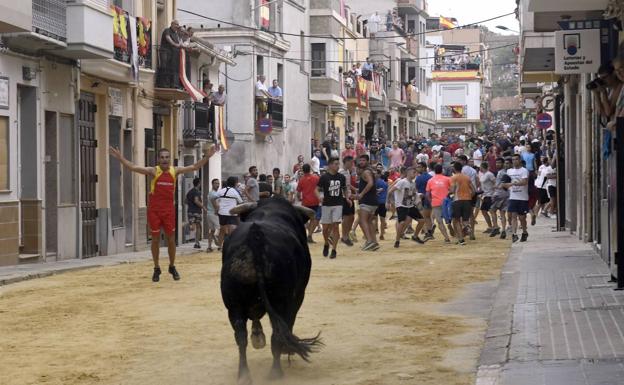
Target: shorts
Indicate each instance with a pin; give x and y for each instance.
(499, 204)
(404, 212)
(159, 218)
(381, 210)
(486, 203)
(474, 201)
(348, 210)
(194, 218)
(436, 214)
(225, 220)
(368, 208)
(543, 196)
(426, 204)
(461, 210)
(552, 192)
(517, 206)
(331, 214)
(212, 222)
(317, 211)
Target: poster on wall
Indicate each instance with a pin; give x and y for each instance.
(4, 92)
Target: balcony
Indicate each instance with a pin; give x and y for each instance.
(47, 30)
(411, 6)
(327, 91)
(90, 32)
(269, 115)
(200, 121)
(16, 16)
(454, 112)
(455, 75)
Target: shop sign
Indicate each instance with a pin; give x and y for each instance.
(577, 51)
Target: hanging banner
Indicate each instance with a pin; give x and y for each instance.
(196, 94)
(265, 14)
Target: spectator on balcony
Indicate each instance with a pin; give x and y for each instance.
(367, 70)
(169, 58)
(207, 88)
(219, 97)
(262, 97)
(275, 91)
(358, 69)
(389, 21)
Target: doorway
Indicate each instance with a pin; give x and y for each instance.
(127, 188)
(88, 176)
(51, 184)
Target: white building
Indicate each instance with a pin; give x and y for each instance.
(270, 44)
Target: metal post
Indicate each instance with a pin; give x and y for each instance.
(619, 212)
(561, 193)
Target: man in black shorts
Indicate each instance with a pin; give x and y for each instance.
(463, 191)
(348, 209)
(333, 185)
(405, 196)
(194, 211)
(367, 197)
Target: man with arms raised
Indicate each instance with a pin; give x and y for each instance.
(160, 208)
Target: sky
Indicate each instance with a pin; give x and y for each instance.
(467, 11)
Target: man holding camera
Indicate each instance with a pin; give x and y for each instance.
(608, 87)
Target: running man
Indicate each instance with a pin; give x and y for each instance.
(437, 190)
(160, 208)
(310, 197)
(463, 191)
(405, 196)
(367, 197)
(381, 185)
(487, 181)
(500, 199)
(227, 198)
(348, 209)
(518, 197)
(333, 185)
(421, 188)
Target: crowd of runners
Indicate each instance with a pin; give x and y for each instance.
(425, 187)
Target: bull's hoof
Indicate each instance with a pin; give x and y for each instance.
(276, 374)
(258, 340)
(245, 380)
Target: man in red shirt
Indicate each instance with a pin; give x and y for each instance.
(309, 197)
(298, 165)
(348, 151)
(160, 206)
(360, 147)
(438, 189)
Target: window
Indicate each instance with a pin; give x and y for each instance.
(260, 65)
(302, 53)
(4, 153)
(318, 59)
(280, 75)
(67, 160)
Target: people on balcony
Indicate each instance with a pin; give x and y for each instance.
(275, 91)
(219, 97)
(262, 97)
(207, 88)
(367, 70)
(168, 57)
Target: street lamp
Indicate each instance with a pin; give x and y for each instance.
(502, 27)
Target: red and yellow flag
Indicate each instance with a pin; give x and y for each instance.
(448, 22)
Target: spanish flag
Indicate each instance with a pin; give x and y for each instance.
(448, 22)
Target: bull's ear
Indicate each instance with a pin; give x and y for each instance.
(305, 213)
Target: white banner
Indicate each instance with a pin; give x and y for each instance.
(577, 51)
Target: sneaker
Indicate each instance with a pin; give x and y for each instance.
(197, 245)
(156, 275)
(310, 240)
(325, 250)
(461, 242)
(209, 250)
(374, 247)
(396, 244)
(514, 238)
(428, 237)
(366, 245)
(174, 273)
(503, 235)
(495, 232)
(346, 242)
(417, 240)
(488, 231)
(533, 220)
(524, 237)
(333, 254)
(447, 241)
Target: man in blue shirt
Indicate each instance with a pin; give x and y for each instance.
(384, 151)
(421, 187)
(275, 91)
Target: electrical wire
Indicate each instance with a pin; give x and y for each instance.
(246, 53)
(341, 38)
(235, 80)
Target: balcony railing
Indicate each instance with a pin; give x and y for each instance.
(49, 18)
(457, 111)
(269, 114)
(199, 121)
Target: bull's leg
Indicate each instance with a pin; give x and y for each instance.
(276, 349)
(258, 340)
(239, 324)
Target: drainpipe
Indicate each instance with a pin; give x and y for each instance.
(589, 145)
(77, 167)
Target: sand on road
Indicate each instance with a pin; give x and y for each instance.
(376, 311)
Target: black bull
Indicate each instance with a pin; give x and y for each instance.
(266, 268)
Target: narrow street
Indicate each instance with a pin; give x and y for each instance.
(415, 315)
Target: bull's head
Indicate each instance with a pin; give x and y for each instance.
(244, 209)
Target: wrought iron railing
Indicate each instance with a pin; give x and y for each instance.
(199, 121)
(49, 18)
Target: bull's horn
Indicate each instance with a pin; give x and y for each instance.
(305, 211)
(243, 208)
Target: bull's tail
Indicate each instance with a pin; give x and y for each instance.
(290, 343)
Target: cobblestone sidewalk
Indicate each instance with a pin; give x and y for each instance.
(556, 318)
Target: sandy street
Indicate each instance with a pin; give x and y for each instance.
(379, 314)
